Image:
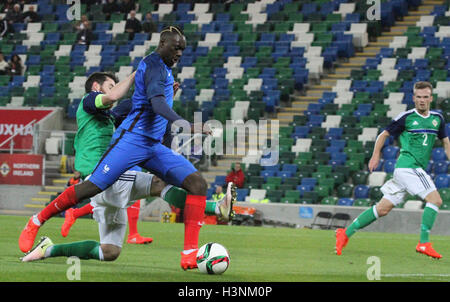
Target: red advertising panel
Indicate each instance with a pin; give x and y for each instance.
(21, 122)
(21, 169)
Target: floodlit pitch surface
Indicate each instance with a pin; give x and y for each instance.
(259, 254)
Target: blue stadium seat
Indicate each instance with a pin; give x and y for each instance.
(48, 68)
(316, 120)
(372, 63)
(333, 150)
(52, 38)
(267, 173)
(438, 154)
(361, 191)
(345, 202)
(441, 181)
(334, 133)
(403, 63)
(231, 51)
(390, 152)
(300, 132)
(33, 60)
(290, 167)
(440, 167)
(241, 194)
(304, 188)
(385, 52)
(210, 192)
(389, 165)
(20, 49)
(272, 168)
(223, 17)
(220, 179)
(338, 158)
(47, 91)
(309, 181)
(284, 174)
(340, 143)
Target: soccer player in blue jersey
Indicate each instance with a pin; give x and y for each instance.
(138, 141)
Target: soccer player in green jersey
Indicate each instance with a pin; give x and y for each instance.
(417, 130)
(96, 124)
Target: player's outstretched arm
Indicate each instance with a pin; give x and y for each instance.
(446, 144)
(118, 91)
(376, 154)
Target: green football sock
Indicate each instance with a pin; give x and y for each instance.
(88, 249)
(428, 217)
(363, 220)
(177, 197)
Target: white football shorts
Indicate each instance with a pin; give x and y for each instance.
(407, 180)
(110, 206)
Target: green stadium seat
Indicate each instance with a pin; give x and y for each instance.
(330, 200)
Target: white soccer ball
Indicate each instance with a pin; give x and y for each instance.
(213, 258)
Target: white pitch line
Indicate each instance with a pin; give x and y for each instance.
(415, 275)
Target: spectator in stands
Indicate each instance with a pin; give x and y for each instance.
(85, 36)
(148, 25)
(236, 176)
(126, 6)
(4, 66)
(15, 65)
(110, 7)
(14, 15)
(5, 29)
(7, 6)
(76, 178)
(30, 15)
(218, 195)
(133, 25)
(79, 25)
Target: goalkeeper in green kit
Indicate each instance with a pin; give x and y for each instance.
(417, 130)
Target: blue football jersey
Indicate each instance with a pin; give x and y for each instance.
(153, 78)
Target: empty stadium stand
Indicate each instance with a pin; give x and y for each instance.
(332, 78)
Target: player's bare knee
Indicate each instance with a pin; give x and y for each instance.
(438, 201)
(382, 212)
(110, 252)
(434, 198)
(157, 186)
(195, 184)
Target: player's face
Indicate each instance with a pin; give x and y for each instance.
(107, 85)
(422, 99)
(173, 49)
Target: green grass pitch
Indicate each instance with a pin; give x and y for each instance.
(258, 254)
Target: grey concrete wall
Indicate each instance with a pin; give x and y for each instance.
(14, 197)
(397, 221)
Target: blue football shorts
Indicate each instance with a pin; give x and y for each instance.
(128, 149)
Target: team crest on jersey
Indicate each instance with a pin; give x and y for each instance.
(105, 169)
(434, 122)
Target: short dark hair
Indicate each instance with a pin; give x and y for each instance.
(423, 85)
(169, 31)
(99, 77)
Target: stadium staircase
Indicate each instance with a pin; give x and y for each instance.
(341, 70)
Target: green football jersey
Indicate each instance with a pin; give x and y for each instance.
(95, 129)
(417, 135)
